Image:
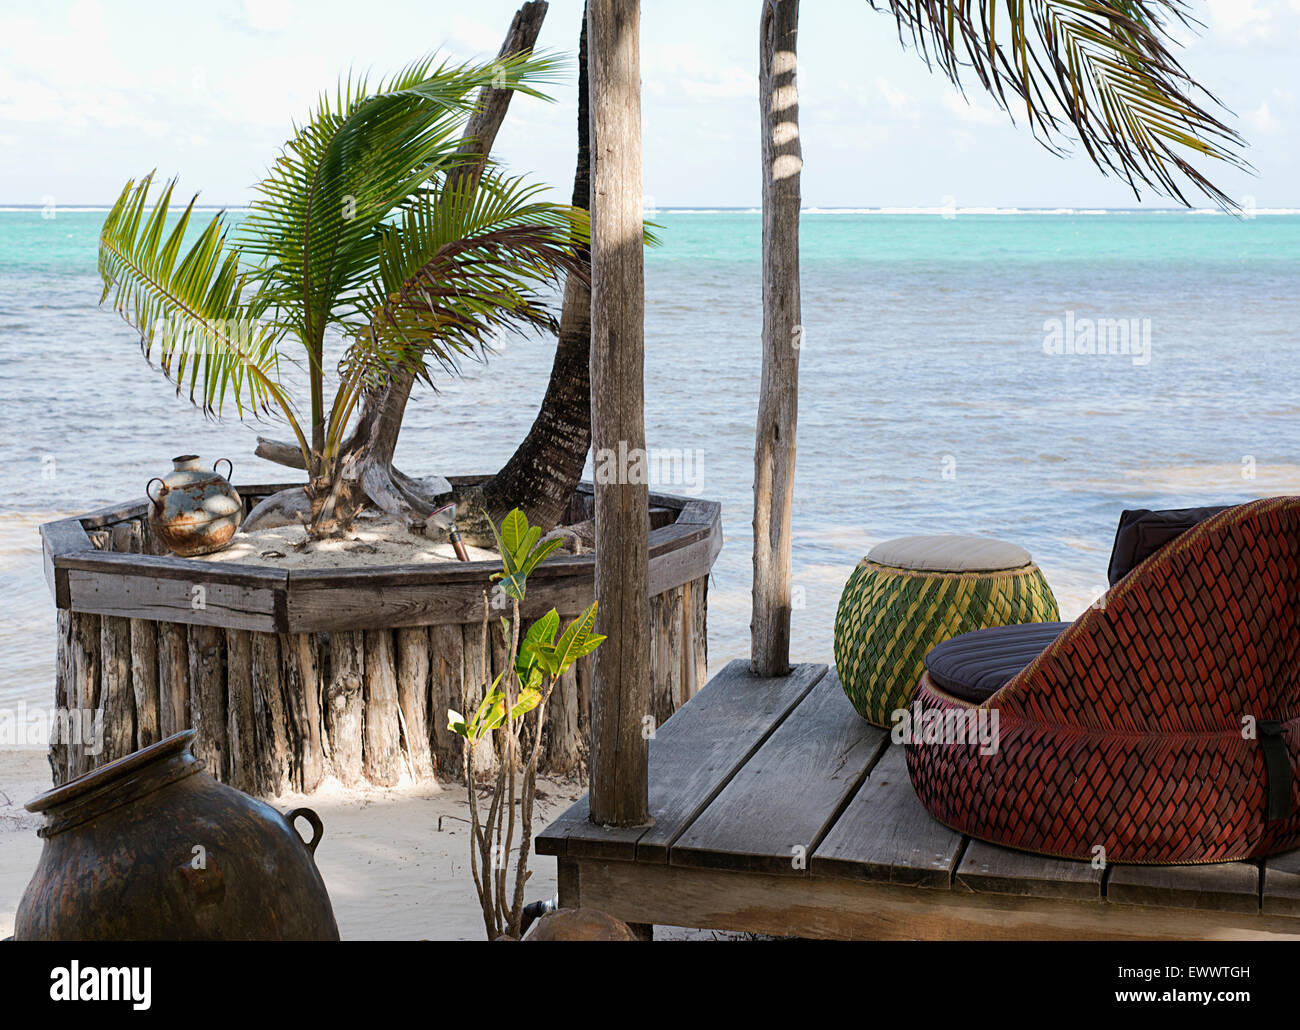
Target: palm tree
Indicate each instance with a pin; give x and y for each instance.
(367, 227)
(1101, 70)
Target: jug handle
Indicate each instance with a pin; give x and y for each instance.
(230, 465)
(160, 493)
(317, 827)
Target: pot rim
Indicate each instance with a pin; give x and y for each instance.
(97, 779)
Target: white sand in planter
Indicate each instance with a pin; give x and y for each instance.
(376, 540)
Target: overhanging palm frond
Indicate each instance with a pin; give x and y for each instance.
(359, 156)
(1100, 67)
(463, 264)
(189, 304)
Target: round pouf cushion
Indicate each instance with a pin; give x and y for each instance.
(909, 594)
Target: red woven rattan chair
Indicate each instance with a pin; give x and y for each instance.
(1163, 727)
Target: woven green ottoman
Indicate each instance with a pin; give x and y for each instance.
(909, 594)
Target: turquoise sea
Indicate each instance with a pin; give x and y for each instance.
(929, 402)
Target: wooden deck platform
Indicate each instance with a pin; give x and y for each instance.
(778, 810)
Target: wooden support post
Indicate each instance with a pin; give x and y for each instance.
(382, 748)
(144, 680)
(345, 703)
(117, 697)
(241, 740)
(619, 794)
(63, 724)
(301, 673)
(86, 736)
(269, 721)
(173, 679)
(207, 652)
(413, 697)
(778, 399)
(446, 676)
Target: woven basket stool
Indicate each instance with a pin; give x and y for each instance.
(909, 594)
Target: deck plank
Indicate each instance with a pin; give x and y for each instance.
(1280, 891)
(886, 835)
(692, 756)
(1223, 886)
(990, 869)
(774, 812)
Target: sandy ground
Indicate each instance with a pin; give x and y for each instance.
(395, 861)
(372, 541)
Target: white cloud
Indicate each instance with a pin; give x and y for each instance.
(895, 98)
(267, 15)
(474, 36)
(971, 112)
(1239, 21)
(1262, 119)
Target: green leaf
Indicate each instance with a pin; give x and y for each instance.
(514, 528)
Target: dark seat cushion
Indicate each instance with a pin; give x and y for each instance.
(974, 666)
(1142, 532)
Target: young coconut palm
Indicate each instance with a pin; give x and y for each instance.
(367, 227)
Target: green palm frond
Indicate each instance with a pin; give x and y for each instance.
(189, 305)
(1101, 68)
(355, 160)
(463, 264)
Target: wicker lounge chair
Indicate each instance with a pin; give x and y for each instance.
(1162, 727)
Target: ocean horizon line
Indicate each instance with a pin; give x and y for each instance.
(686, 209)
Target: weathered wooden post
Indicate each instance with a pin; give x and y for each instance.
(778, 399)
(621, 694)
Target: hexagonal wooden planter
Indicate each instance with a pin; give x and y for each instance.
(291, 675)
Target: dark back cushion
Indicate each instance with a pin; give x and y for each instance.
(1142, 532)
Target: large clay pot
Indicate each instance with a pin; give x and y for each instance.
(194, 510)
(152, 848)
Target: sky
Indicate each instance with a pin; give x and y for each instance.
(93, 92)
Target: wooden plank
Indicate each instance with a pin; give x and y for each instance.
(207, 655)
(85, 746)
(836, 908)
(173, 679)
(345, 704)
(778, 806)
(270, 722)
(117, 696)
(142, 586)
(989, 869)
(475, 675)
(446, 690)
(128, 537)
(382, 750)
(144, 680)
(63, 703)
(322, 601)
(886, 835)
(1280, 888)
(680, 566)
(58, 539)
(692, 756)
(1223, 886)
(241, 738)
(301, 671)
(413, 698)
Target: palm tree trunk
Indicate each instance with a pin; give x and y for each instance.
(541, 475)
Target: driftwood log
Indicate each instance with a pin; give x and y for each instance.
(290, 678)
